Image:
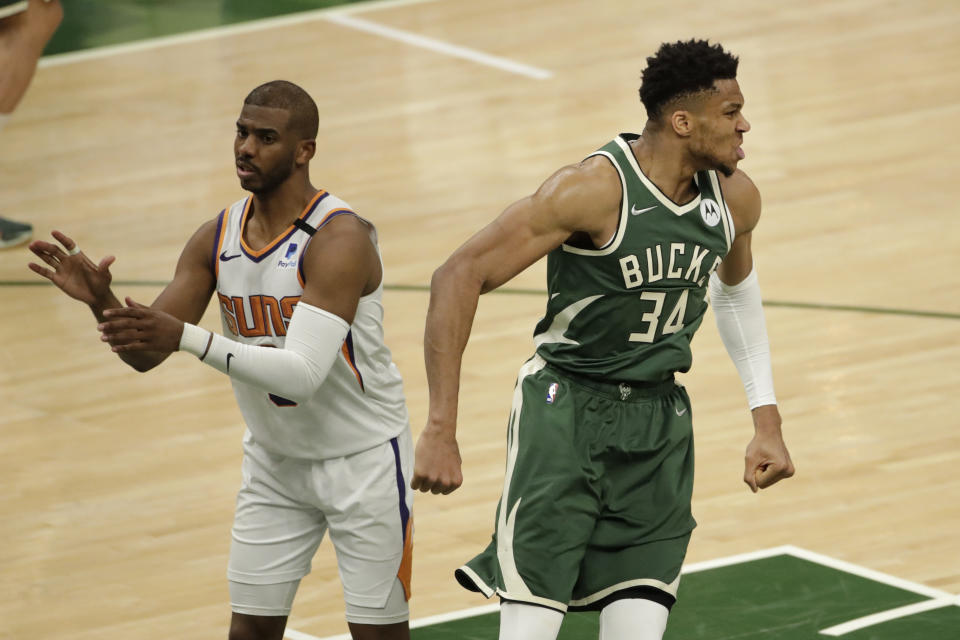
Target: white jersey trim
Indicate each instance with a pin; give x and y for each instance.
(614, 242)
(726, 217)
(677, 210)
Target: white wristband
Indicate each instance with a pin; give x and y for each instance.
(195, 340)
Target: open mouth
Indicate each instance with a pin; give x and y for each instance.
(245, 170)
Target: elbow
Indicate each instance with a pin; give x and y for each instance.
(301, 387)
(140, 365)
(458, 274)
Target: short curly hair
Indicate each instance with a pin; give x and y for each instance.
(683, 68)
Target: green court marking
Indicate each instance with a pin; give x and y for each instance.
(419, 288)
(880, 310)
(781, 597)
(939, 624)
(94, 23)
(115, 283)
(767, 303)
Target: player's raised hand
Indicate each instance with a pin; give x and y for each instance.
(436, 467)
(71, 270)
(138, 327)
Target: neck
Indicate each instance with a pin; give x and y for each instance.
(275, 210)
(665, 162)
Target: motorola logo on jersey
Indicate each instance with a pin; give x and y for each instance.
(710, 212)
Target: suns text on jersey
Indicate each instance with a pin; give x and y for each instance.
(257, 315)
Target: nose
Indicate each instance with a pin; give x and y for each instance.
(744, 126)
(246, 147)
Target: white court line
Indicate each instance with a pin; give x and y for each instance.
(299, 635)
(440, 47)
(863, 572)
(737, 559)
(938, 599)
(220, 32)
(339, 15)
(886, 616)
(419, 622)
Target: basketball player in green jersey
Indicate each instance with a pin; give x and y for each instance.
(595, 511)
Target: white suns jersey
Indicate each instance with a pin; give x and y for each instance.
(361, 403)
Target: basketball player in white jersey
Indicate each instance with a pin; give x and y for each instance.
(299, 282)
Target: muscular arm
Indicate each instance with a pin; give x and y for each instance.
(740, 320)
(340, 265)
(584, 198)
(185, 298)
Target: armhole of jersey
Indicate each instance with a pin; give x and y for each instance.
(727, 217)
(301, 277)
(614, 242)
(218, 243)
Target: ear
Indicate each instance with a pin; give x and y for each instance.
(305, 151)
(682, 123)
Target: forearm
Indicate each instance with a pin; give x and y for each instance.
(740, 321)
(295, 372)
(453, 305)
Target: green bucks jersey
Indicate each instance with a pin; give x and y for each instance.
(626, 312)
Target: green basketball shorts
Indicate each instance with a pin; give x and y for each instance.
(596, 494)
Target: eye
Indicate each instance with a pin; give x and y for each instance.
(241, 133)
(268, 138)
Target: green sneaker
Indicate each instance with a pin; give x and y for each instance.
(14, 233)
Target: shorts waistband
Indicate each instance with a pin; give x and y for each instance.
(625, 391)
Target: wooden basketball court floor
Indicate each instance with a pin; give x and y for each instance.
(118, 488)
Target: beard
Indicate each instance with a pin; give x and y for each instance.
(261, 183)
(267, 182)
(708, 160)
(726, 169)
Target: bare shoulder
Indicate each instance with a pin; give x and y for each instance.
(346, 229)
(341, 264)
(582, 196)
(201, 243)
(743, 200)
(344, 243)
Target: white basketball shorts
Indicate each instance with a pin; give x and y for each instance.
(285, 506)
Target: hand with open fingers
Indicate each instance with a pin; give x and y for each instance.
(138, 327)
(436, 463)
(71, 270)
(767, 460)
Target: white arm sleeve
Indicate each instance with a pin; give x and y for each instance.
(313, 340)
(740, 321)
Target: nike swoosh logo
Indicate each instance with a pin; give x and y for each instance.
(230, 355)
(636, 212)
(224, 257)
(680, 412)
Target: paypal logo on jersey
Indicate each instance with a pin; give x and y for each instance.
(290, 257)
